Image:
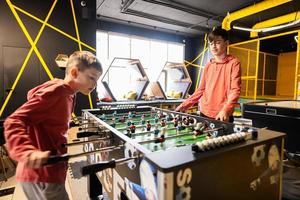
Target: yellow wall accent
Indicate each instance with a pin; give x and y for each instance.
(14, 10)
(286, 74)
(33, 47)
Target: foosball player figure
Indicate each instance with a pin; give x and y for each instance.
(161, 115)
(128, 133)
(191, 121)
(156, 119)
(186, 121)
(129, 122)
(156, 131)
(143, 121)
(114, 113)
(180, 126)
(148, 125)
(122, 119)
(162, 135)
(163, 123)
(132, 128)
(175, 122)
(199, 128)
(113, 122)
(103, 117)
(130, 115)
(168, 118)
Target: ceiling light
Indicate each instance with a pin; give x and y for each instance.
(263, 30)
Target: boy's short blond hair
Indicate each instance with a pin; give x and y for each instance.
(83, 60)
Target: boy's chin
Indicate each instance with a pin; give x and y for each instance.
(85, 92)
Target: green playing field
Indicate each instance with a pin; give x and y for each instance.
(173, 138)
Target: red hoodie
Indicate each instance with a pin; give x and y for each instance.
(219, 88)
(41, 124)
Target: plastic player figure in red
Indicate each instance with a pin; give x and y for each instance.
(175, 121)
(148, 125)
(132, 127)
(161, 115)
(163, 123)
(162, 135)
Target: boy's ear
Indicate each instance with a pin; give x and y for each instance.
(74, 71)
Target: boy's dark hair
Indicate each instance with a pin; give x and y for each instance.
(218, 32)
(83, 60)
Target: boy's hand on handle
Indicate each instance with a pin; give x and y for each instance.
(222, 116)
(37, 158)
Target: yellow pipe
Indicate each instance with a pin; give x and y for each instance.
(275, 21)
(250, 10)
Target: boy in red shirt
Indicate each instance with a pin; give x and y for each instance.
(220, 85)
(38, 128)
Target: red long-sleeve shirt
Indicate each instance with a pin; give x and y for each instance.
(41, 124)
(219, 88)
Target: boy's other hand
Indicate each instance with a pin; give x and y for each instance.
(37, 158)
(222, 116)
(180, 109)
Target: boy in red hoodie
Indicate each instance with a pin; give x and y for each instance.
(220, 85)
(38, 128)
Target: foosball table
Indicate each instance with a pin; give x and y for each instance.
(150, 153)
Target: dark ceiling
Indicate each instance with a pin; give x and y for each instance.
(188, 17)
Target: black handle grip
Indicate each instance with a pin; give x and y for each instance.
(94, 168)
(86, 134)
(56, 159)
(73, 124)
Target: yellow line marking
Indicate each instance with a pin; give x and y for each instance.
(79, 45)
(33, 47)
(54, 28)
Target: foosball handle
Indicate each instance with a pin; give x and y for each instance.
(94, 168)
(86, 134)
(56, 159)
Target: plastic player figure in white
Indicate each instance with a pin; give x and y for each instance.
(103, 117)
(156, 119)
(197, 131)
(113, 122)
(163, 131)
(143, 121)
(156, 130)
(130, 115)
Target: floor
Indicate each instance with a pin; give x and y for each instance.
(72, 184)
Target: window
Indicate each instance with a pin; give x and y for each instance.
(153, 54)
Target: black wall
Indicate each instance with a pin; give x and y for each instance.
(14, 46)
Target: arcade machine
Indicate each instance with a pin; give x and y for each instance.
(281, 116)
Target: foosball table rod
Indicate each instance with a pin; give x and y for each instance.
(97, 167)
(84, 142)
(65, 157)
